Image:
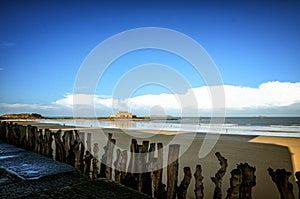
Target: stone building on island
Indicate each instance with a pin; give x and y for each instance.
(122, 115)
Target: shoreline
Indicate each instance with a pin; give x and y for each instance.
(126, 125)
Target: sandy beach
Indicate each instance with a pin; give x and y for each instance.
(262, 152)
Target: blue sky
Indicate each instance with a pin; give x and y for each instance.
(43, 44)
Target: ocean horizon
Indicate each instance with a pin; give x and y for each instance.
(253, 126)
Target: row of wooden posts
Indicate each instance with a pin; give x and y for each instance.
(144, 171)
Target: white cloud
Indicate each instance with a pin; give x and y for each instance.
(84, 100)
(239, 100)
(267, 95)
(270, 94)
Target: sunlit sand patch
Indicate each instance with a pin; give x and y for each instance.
(292, 143)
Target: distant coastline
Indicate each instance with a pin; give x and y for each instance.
(36, 116)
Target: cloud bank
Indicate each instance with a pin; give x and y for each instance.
(270, 98)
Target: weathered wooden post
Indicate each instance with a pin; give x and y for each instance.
(81, 157)
(106, 161)
(10, 133)
(96, 150)
(235, 182)
(248, 180)
(35, 139)
(199, 188)
(28, 138)
(145, 185)
(110, 153)
(298, 182)
(87, 163)
(219, 176)
(60, 152)
(123, 166)
(3, 132)
(23, 137)
(40, 142)
(78, 148)
(131, 176)
(10, 137)
(95, 172)
(70, 143)
(151, 166)
(89, 142)
(151, 152)
(31, 137)
(16, 135)
(82, 137)
(116, 164)
(182, 189)
(172, 170)
(139, 169)
(161, 187)
(80, 162)
(47, 150)
(96, 163)
(155, 166)
(281, 178)
(66, 138)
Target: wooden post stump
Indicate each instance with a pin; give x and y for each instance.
(131, 176)
(120, 166)
(96, 150)
(235, 182)
(60, 153)
(172, 170)
(95, 163)
(145, 174)
(219, 176)
(248, 180)
(123, 166)
(23, 137)
(160, 160)
(40, 142)
(48, 139)
(106, 161)
(80, 153)
(67, 139)
(87, 163)
(199, 184)
(182, 189)
(281, 178)
(89, 142)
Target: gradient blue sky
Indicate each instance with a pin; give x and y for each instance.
(43, 43)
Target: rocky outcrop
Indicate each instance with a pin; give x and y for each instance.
(22, 116)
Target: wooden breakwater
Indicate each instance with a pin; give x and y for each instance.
(141, 167)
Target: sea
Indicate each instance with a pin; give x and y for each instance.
(266, 126)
